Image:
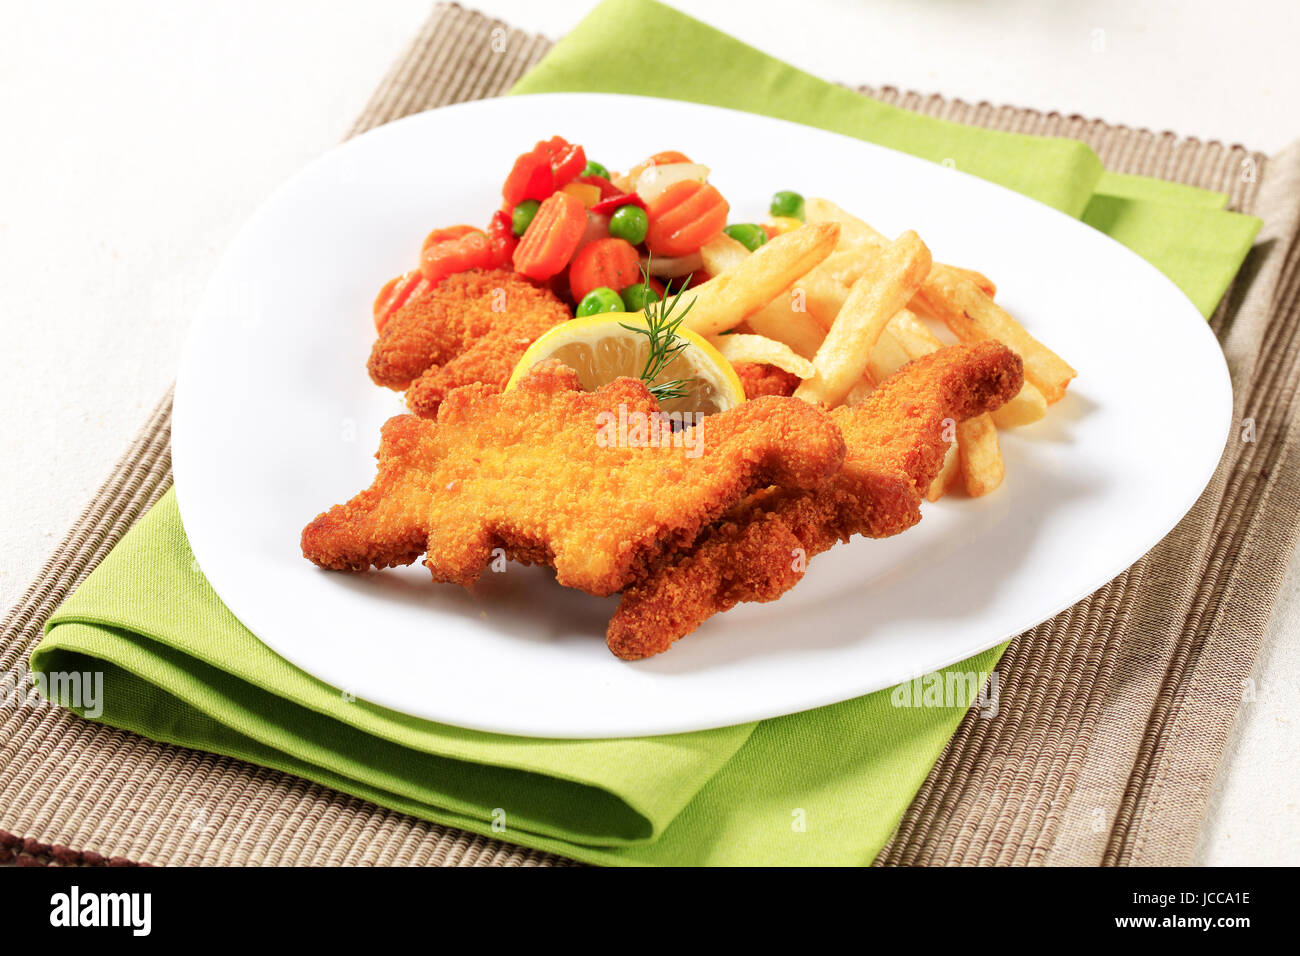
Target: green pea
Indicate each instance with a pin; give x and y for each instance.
(787, 203)
(523, 215)
(598, 300)
(629, 222)
(636, 297)
(748, 234)
(594, 168)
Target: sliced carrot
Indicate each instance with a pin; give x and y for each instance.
(684, 217)
(445, 233)
(454, 249)
(396, 293)
(605, 262)
(552, 236)
(668, 156)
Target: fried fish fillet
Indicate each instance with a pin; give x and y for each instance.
(474, 327)
(759, 380)
(554, 475)
(896, 443)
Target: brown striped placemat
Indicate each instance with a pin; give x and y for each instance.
(1112, 716)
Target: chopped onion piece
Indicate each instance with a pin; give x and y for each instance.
(671, 268)
(597, 228)
(655, 179)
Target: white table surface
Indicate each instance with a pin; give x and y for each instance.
(139, 135)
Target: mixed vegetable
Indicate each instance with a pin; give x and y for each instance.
(606, 242)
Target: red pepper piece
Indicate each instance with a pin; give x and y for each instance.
(531, 177)
(609, 204)
(501, 238)
(567, 160)
(607, 189)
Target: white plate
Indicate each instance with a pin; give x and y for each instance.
(276, 419)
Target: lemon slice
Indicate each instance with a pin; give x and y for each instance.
(600, 350)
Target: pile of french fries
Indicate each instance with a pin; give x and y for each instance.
(842, 307)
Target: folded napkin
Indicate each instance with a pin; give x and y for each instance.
(825, 786)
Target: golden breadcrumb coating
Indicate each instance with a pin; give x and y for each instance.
(474, 327)
(759, 379)
(896, 444)
(528, 471)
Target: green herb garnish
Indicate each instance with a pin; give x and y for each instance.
(665, 344)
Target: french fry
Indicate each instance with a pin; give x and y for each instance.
(820, 293)
(972, 315)
(853, 231)
(982, 282)
(885, 287)
(845, 266)
(722, 254)
(861, 389)
(825, 289)
(903, 340)
(786, 318)
(779, 320)
(728, 299)
(1025, 408)
(913, 335)
(948, 472)
(950, 294)
(887, 356)
(982, 469)
(762, 350)
(822, 297)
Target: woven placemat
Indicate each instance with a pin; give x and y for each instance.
(1112, 716)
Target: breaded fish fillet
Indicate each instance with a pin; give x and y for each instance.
(474, 327)
(759, 380)
(896, 443)
(555, 475)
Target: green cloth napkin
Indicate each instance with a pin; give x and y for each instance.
(825, 786)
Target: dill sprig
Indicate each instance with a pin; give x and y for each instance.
(661, 327)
